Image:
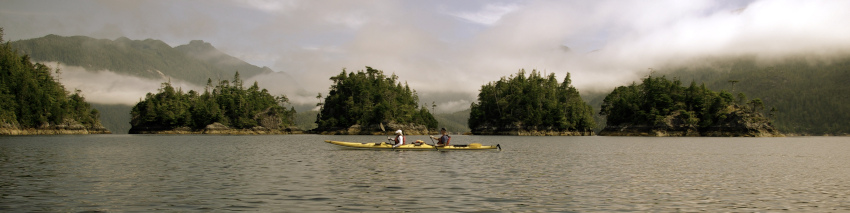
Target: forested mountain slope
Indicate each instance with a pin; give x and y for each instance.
(194, 62)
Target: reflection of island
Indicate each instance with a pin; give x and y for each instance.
(227, 108)
(660, 107)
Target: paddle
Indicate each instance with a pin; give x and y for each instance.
(385, 133)
(432, 139)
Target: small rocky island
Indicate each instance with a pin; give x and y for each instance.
(359, 103)
(660, 107)
(531, 105)
(227, 108)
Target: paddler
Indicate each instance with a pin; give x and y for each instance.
(399, 138)
(443, 140)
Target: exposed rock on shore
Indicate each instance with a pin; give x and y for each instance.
(69, 127)
(375, 129)
(519, 130)
(535, 133)
(217, 129)
(738, 123)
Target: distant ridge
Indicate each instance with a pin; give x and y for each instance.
(194, 62)
(205, 52)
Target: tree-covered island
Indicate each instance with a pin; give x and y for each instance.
(226, 108)
(360, 102)
(32, 102)
(660, 107)
(531, 105)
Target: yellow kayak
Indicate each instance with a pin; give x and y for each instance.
(423, 146)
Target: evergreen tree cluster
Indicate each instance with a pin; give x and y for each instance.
(531, 102)
(30, 97)
(804, 94)
(656, 98)
(370, 97)
(227, 103)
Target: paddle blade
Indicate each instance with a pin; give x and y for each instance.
(382, 127)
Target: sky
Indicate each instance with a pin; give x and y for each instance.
(444, 49)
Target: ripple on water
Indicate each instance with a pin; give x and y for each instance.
(532, 174)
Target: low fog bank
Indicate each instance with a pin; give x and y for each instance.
(108, 87)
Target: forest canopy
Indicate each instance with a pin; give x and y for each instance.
(369, 98)
(656, 98)
(31, 98)
(227, 103)
(808, 92)
(531, 102)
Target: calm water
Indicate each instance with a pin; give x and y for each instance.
(298, 173)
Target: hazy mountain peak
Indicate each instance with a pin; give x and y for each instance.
(200, 45)
(206, 52)
(194, 62)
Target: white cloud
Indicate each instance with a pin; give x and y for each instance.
(107, 87)
(269, 6)
(489, 14)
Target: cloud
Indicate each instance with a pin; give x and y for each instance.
(270, 6)
(489, 15)
(107, 87)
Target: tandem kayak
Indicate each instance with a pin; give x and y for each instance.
(382, 145)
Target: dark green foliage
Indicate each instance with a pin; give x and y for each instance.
(227, 103)
(195, 62)
(533, 103)
(809, 95)
(656, 98)
(30, 97)
(370, 97)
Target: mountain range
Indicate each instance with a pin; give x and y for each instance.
(194, 62)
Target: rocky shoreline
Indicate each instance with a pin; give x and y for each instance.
(375, 129)
(533, 133)
(520, 130)
(216, 129)
(737, 124)
(61, 129)
(691, 132)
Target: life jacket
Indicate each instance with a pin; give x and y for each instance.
(448, 139)
(402, 139)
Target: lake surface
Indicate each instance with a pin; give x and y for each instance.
(301, 173)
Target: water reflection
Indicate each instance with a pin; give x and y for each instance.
(301, 173)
